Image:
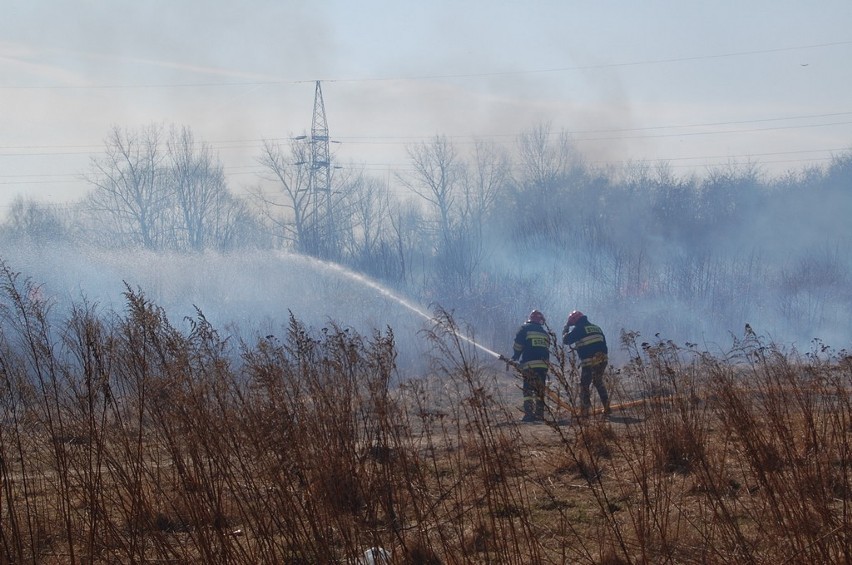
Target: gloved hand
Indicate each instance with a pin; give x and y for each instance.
(508, 362)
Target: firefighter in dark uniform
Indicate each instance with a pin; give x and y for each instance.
(531, 350)
(590, 343)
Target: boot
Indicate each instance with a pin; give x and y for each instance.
(529, 415)
(539, 411)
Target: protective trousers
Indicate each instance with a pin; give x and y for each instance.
(534, 382)
(593, 375)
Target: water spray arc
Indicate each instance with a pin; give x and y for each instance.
(399, 300)
(366, 281)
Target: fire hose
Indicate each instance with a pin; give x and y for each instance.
(554, 396)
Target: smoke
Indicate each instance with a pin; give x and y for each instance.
(246, 294)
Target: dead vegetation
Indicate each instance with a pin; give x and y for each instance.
(124, 440)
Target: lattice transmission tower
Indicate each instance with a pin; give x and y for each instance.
(320, 176)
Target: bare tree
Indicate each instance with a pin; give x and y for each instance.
(405, 221)
(31, 220)
(544, 158)
(484, 181)
(198, 183)
(460, 194)
(540, 194)
(336, 213)
(726, 196)
(292, 214)
(131, 197)
(436, 179)
(369, 204)
(237, 226)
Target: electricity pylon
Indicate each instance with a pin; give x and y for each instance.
(320, 174)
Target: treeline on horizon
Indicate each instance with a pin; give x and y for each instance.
(492, 232)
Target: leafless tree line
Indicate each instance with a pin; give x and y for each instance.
(473, 223)
(163, 190)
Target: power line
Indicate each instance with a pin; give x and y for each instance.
(402, 140)
(725, 132)
(369, 166)
(47, 150)
(409, 139)
(606, 65)
(148, 86)
(664, 60)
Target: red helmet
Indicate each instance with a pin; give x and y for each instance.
(536, 317)
(574, 317)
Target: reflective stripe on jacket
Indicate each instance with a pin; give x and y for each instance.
(532, 346)
(589, 341)
(595, 359)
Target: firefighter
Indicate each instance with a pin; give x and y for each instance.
(531, 350)
(590, 343)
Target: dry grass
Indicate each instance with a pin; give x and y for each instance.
(124, 440)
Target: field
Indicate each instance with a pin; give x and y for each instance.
(124, 440)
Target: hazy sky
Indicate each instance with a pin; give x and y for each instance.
(691, 83)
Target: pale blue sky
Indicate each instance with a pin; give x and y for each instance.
(692, 83)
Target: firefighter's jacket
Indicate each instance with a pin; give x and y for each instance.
(532, 346)
(589, 341)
